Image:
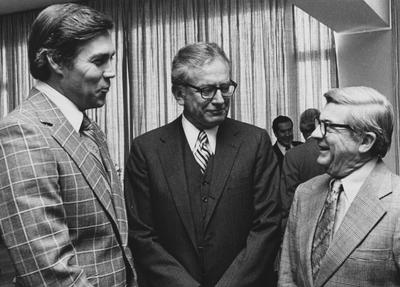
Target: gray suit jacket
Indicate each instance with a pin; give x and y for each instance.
(365, 250)
(241, 232)
(62, 221)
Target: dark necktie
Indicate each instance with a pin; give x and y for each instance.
(324, 230)
(94, 141)
(201, 152)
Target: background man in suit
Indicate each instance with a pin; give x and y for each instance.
(283, 130)
(300, 163)
(344, 226)
(203, 190)
(62, 210)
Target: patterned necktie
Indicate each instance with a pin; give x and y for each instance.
(324, 231)
(93, 141)
(201, 152)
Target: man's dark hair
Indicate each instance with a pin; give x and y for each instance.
(307, 121)
(278, 120)
(59, 31)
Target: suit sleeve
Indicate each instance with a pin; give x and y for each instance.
(255, 263)
(31, 211)
(288, 265)
(290, 179)
(157, 265)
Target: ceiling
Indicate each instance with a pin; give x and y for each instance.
(13, 6)
(349, 16)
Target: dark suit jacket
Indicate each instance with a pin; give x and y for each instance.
(365, 250)
(63, 223)
(242, 222)
(279, 154)
(299, 165)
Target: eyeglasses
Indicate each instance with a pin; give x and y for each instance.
(323, 125)
(209, 92)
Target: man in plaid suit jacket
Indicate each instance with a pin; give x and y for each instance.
(364, 243)
(62, 210)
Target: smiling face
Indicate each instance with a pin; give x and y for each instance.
(87, 80)
(339, 150)
(284, 133)
(205, 114)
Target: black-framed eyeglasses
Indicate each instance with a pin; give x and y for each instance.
(323, 125)
(209, 92)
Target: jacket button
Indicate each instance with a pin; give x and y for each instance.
(204, 199)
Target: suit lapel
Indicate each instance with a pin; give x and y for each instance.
(171, 156)
(70, 141)
(228, 143)
(364, 213)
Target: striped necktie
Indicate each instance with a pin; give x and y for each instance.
(324, 230)
(201, 152)
(93, 140)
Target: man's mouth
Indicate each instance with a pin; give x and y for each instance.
(322, 147)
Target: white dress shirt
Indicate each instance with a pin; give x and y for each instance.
(282, 148)
(66, 106)
(351, 186)
(191, 134)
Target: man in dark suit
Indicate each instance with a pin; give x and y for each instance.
(62, 209)
(203, 198)
(344, 226)
(300, 163)
(283, 130)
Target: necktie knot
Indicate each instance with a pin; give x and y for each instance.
(336, 189)
(86, 124)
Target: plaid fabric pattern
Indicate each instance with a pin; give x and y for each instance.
(62, 222)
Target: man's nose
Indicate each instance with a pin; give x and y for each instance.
(288, 133)
(317, 133)
(218, 98)
(109, 71)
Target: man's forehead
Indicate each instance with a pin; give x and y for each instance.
(285, 125)
(100, 45)
(335, 113)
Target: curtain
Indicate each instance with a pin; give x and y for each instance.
(315, 60)
(396, 75)
(282, 59)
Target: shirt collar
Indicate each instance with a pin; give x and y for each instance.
(66, 106)
(282, 148)
(353, 182)
(191, 133)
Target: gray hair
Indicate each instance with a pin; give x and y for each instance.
(370, 112)
(194, 56)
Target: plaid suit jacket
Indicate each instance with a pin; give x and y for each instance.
(62, 222)
(365, 250)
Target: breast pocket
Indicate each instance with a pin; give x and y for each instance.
(371, 254)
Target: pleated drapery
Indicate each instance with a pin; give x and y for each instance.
(282, 59)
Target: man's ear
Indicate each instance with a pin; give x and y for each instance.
(179, 96)
(367, 142)
(56, 67)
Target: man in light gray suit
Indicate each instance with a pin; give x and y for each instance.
(344, 226)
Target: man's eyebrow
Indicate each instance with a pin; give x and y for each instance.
(102, 55)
